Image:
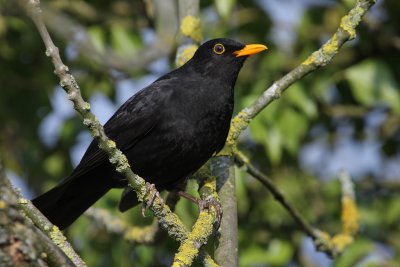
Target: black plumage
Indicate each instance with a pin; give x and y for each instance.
(167, 130)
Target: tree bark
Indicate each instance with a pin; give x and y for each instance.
(21, 243)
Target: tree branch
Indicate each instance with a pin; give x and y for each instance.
(190, 30)
(226, 251)
(332, 246)
(145, 192)
(49, 229)
(203, 227)
(67, 29)
(22, 244)
(316, 60)
(114, 225)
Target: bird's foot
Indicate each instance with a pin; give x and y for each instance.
(205, 204)
(152, 190)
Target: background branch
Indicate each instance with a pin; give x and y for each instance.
(114, 225)
(165, 15)
(49, 229)
(226, 247)
(316, 60)
(22, 244)
(332, 246)
(145, 192)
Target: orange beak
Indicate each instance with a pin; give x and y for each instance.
(250, 49)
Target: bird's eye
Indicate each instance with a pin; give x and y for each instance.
(219, 49)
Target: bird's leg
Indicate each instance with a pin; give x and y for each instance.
(204, 204)
(152, 190)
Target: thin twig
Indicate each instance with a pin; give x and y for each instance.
(316, 60)
(203, 227)
(242, 160)
(49, 229)
(331, 245)
(114, 225)
(63, 27)
(29, 244)
(145, 192)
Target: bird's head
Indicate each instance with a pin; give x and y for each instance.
(223, 56)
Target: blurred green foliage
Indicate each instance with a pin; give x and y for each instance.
(363, 78)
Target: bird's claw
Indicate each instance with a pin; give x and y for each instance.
(205, 204)
(152, 190)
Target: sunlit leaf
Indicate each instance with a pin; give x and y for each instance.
(225, 7)
(372, 83)
(297, 96)
(292, 127)
(54, 164)
(354, 253)
(97, 37)
(123, 41)
(278, 253)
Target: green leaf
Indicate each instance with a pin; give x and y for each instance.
(297, 97)
(263, 131)
(393, 211)
(292, 127)
(123, 41)
(225, 7)
(273, 145)
(354, 253)
(278, 253)
(372, 83)
(97, 37)
(54, 164)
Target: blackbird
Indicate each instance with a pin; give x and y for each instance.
(168, 130)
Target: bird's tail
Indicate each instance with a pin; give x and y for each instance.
(63, 204)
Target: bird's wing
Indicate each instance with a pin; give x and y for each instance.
(135, 119)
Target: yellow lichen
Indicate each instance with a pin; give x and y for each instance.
(331, 47)
(86, 106)
(185, 54)
(141, 234)
(111, 144)
(226, 151)
(23, 201)
(324, 235)
(191, 27)
(189, 249)
(347, 25)
(210, 184)
(238, 123)
(349, 216)
(340, 241)
(310, 60)
(57, 237)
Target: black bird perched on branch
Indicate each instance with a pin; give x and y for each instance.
(168, 130)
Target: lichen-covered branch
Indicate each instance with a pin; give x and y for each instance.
(242, 160)
(145, 192)
(116, 157)
(226, 248)
(349, 217)
(201, 231)
(190, 30)
(165, 20)
(203, 227)
(22, 244)
(49, 229)
(320, 58)
(332, 246)
(114, 225)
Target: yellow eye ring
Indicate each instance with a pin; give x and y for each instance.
(219, 49)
